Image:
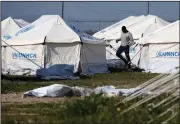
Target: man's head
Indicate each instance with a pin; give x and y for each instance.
(124, 30)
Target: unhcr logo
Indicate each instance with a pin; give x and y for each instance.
(132, 50)
(167, 54)
(7, 37)
(25, 29)
(17, 55)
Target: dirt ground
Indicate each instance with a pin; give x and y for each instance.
(17, 98)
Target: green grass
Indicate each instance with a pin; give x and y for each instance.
(89, 110)
(119, 79)
(94, 109)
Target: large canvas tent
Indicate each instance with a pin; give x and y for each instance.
(139, 29)
(52, 48)
(160, 52)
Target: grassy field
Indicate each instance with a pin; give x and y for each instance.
(94, 109)
(118, 79)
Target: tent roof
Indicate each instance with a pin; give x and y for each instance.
(143, 27)
(50, 28)
(167, 34)
(148, 25)
(8, 28)
(113, 29)
(21, 22)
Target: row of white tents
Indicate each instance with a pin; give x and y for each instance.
(51, 47)
(157, 42)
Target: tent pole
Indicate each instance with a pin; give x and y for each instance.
(148, 7)
(62, 9)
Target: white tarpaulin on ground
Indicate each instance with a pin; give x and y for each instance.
(113, 91)
(161, 51)
(59, 90)
(54, 90)
(21, 22)
(64, 50)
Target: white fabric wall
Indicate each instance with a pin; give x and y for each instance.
(16, 64)
(3, 51)
(93, 58)
(151, 61)
(144, 60)
(135, 53)
(62, 57)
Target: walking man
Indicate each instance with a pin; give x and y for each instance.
(126, 41)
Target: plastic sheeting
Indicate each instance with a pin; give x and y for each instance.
(59, 90)
(50, 91)
(113, 91)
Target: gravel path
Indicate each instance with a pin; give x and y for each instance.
(11, 98)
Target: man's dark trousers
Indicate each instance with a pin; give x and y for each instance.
(126, 50)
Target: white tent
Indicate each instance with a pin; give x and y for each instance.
(141, 28)
(161, 51)
(21, 22)
(112, 30)
(8, 28)
(54, 49)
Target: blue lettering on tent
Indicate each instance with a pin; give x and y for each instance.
(7, 37)
(167, 54)
(25, 29)
(17, 55)
(132, 50)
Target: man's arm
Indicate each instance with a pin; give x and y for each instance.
(118, 40)
(131, 40)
